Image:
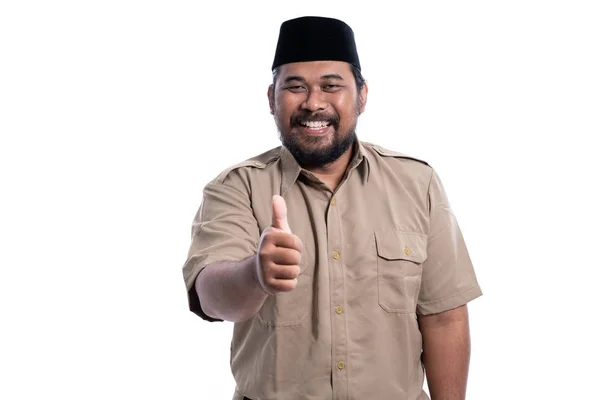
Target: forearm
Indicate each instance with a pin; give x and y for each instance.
(446, 353)
(230, 290)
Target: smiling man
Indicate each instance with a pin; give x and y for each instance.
(340, 262)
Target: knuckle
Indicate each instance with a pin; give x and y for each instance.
(263, 256)
(289, 285)
(271, 282)
(293, 283)
(267, 237)
(268, 269)
(276, 286)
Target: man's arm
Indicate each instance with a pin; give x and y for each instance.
(230, 290)
(236, 290)
(446, 353)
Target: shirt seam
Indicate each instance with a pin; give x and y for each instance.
(228, 186)
(448, 297)
(428, 200)
(444, 206)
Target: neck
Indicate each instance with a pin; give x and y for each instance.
(332, 174)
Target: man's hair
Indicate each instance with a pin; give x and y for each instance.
(358, 78)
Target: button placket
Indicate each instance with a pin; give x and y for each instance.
(339, 339)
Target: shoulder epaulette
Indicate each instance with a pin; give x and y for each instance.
(259, 162)
(391, 153)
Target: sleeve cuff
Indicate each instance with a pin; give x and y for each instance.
(194, 304)
(190, 283)
(448, 303)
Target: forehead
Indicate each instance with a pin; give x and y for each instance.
(314, 70)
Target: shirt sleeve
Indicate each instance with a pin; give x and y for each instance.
(448, 277)
(224, 229)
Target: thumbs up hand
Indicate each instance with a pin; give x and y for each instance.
(279, 253)
(280, 214)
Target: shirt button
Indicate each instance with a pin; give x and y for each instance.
(341, 365)
(339, 310)
(333, 201)
(336, 255)
(407, 251)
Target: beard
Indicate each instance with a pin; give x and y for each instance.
(310, 151)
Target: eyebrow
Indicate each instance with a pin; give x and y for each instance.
(301, 79)
(332, 76)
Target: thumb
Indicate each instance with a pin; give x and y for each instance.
(280, 214)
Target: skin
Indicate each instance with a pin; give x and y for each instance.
(318, 90)
(446, 353)
(235, 291)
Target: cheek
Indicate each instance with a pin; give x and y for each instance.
(284, 107)
(346, 109)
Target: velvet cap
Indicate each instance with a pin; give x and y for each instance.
(315, 39)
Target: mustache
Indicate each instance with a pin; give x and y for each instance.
(297, 119)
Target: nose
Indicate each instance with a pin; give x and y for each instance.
(314, 101)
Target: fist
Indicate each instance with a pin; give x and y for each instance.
(279, 253)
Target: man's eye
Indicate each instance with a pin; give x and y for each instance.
(331, 87)
(295, 88)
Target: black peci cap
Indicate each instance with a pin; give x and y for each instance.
(315, 39)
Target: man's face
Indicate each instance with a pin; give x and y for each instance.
(316, 107)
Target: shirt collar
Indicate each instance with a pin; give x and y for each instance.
(290, 169)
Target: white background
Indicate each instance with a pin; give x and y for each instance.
(115, 114)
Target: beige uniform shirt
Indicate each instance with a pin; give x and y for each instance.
(380, 250)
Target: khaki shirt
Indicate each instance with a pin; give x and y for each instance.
(380, 250)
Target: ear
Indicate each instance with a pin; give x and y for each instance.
(271, 96)
(363, 97)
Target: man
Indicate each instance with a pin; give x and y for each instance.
(340, 262)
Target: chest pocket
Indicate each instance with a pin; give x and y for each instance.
(400, 256)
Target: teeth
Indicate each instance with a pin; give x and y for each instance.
(315, 124)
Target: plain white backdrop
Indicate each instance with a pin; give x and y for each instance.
(115, 114)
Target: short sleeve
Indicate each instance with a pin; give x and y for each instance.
(224, 229)
(448, 276)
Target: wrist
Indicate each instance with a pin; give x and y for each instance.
(255, 278)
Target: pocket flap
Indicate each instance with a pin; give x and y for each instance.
(393, 244)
